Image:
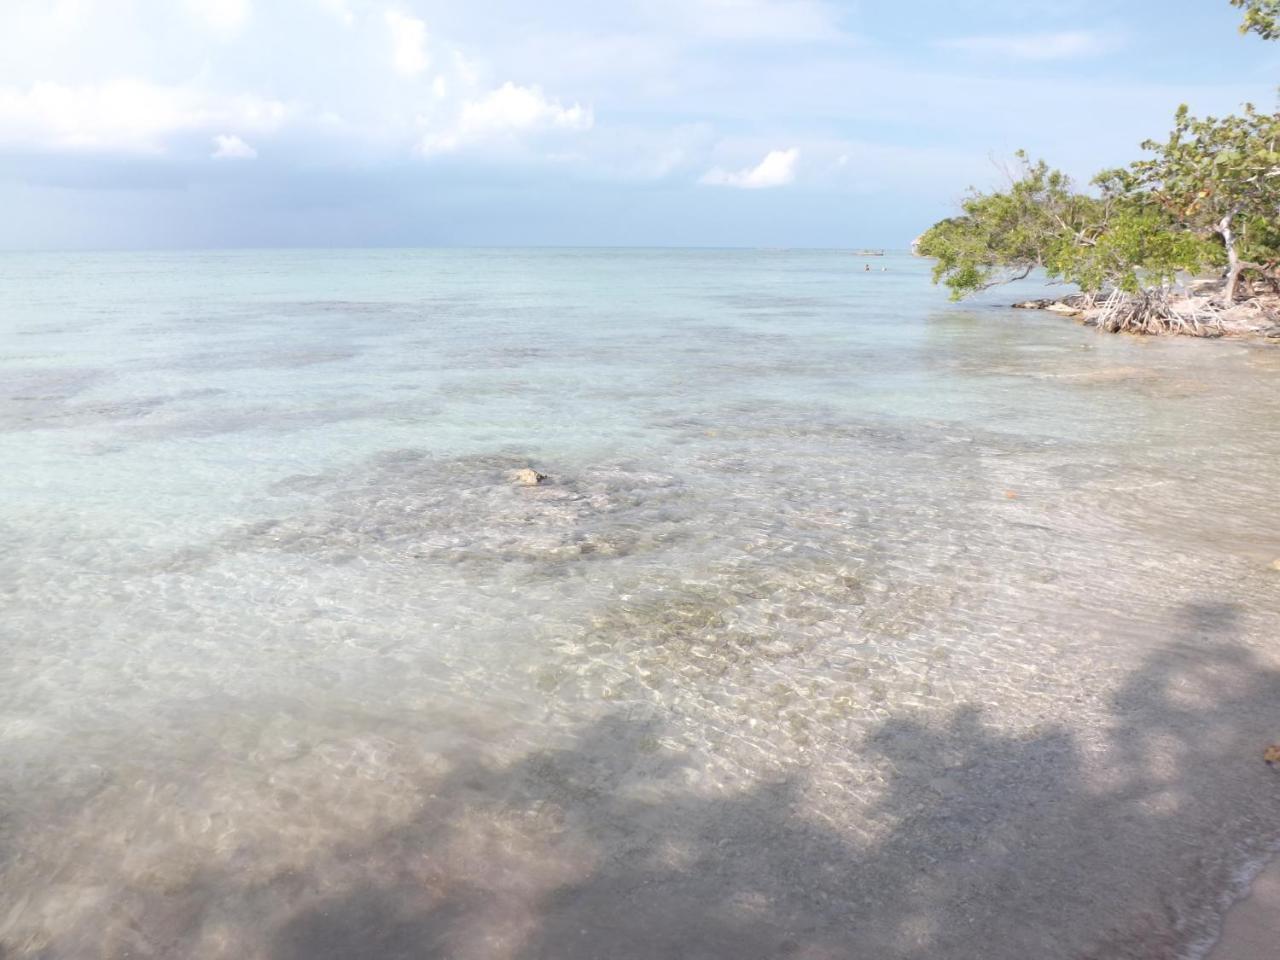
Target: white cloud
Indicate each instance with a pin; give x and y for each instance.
(870, 167)
(408, 43)
(631, 151)
(227, 146)
(124, 116)
(510, 109)
(777, 169)
(1067, 45)
(728, 20)
(223, 16)
(467, 72)
(339, 9)
(70, 14)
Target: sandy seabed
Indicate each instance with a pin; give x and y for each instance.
(847, 623)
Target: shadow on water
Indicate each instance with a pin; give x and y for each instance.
(997, 845)
(1035, 844)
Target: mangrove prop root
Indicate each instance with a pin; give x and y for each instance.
(1154, 311)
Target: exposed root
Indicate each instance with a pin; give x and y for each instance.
(1197, 311)
(1156, 311)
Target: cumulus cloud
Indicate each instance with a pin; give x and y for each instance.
(408, 43)
(777, 169)
(227, 146)
(1067, 45)
(510, 109)
(223, 16)
(122, 116)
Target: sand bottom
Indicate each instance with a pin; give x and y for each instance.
(1252, 930)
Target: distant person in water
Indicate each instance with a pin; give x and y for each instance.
(867, 267)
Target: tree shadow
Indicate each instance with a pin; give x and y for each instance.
(1000, 844)
(980, 841)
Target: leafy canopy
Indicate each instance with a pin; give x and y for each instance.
(1138, 247)
(1261, 17)
(1115, 240)
(1207, 195)
(1214, 168)
(1003, 236)
(1218, 177)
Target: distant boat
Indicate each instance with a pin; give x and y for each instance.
(868, 253)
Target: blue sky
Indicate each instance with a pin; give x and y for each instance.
(198, 123)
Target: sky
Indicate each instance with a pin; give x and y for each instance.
(144, 124)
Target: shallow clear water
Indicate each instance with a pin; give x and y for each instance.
(850, 623)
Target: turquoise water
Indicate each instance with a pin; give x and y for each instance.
(850, 622)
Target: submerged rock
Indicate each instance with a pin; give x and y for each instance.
(529, 477)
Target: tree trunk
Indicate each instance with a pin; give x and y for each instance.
(1227, 231)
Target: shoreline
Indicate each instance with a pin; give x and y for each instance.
(1256, 320)
(1251, 927)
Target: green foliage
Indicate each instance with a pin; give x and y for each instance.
(1208, 195)
(1261, 17)
(1004, 236)
(1137, 248)
(1116, 240)
(1260, 242)
(1214, 168)
(1218, 177)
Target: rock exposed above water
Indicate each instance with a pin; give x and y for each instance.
(529, 477)
(1054, 306)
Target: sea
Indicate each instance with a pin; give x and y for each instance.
(847, 622)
